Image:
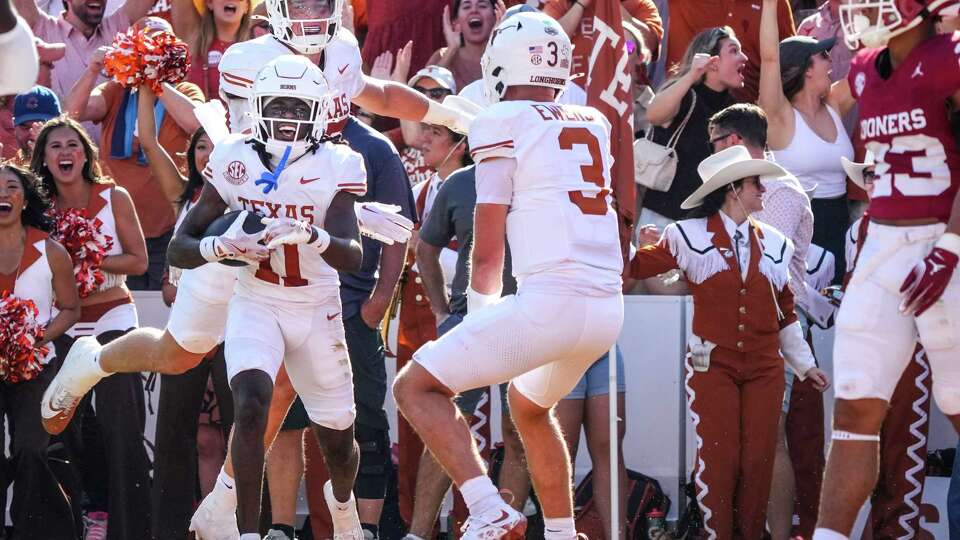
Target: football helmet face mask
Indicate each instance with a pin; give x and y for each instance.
(289, 104)
(306, 25)
(526, 49)
(874, 22)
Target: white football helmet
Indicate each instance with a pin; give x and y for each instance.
(306, 35)
(874, 22)
(297, 77)
(526, 49)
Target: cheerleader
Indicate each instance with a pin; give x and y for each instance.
(737, 271)
(36, 271)
(113, 462)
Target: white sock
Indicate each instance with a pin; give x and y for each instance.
(827, 534)
(250, 536)
(344, 507)
(224, 492)
(559, 528)
(480, 495)
(411, 537)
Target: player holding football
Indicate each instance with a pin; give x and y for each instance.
(904, 283)
(543, 184)
(286, 309)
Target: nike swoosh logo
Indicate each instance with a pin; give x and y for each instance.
(308, 180)
(342, 69)
(503, 517)
(332, 317)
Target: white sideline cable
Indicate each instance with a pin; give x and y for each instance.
(614, 447)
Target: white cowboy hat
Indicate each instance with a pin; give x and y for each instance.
(855, 170)
(726, 167)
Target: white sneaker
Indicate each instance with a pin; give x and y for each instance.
(213, 522)
(501, 521)
(78, 374)
(346, 525)
(274, 534)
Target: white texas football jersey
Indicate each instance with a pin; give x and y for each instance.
(295, 274)
(560, 220)
(341, 64)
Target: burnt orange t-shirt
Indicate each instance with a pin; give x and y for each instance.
(688, 18)
(155, 212)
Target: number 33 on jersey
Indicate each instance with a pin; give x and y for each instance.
(560, 210)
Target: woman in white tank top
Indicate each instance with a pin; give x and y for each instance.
(806, 132)
(807, 137)
(33, 268)
(66, 161)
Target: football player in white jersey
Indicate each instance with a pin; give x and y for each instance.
(287, 306)
(285, 171)
(313, 28)
(543, 184)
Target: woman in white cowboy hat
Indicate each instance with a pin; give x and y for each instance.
(737, 271)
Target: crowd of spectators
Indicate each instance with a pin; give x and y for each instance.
(691, 65)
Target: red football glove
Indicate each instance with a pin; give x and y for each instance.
(929, 278)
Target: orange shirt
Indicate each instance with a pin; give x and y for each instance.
(689, 17)
(155, 212)
(644, 11)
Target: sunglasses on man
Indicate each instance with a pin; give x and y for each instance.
(435, 94)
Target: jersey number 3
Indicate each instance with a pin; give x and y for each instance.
(592, 173)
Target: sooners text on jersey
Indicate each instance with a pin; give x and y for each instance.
(904, 121)
(294, 274)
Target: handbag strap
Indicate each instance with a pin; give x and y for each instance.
(676, 134)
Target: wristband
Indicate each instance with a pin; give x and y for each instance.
(950, 242)
(477, 300)
(208, 249)
(322, 240)
(438, 114)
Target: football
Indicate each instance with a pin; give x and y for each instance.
(220, 225)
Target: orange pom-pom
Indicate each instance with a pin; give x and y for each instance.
(138, 58)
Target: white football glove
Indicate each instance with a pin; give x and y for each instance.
(235, 243)
(382, 222)
(293, 231)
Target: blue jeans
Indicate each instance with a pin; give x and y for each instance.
(953, 499)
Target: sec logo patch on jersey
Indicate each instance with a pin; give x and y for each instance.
(236, 173)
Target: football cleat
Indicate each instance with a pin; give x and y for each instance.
(501, 521)
(78, 374)
(212, 521)
(346, 524)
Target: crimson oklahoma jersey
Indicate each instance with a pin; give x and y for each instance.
(904, 121)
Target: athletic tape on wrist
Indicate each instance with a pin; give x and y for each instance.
(950, 242)
(323, 240)
(847, 436)
(208, 250)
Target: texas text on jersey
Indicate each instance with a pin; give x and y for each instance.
(903, 120)
(305, 190)
(340, 62)
(560, 217)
